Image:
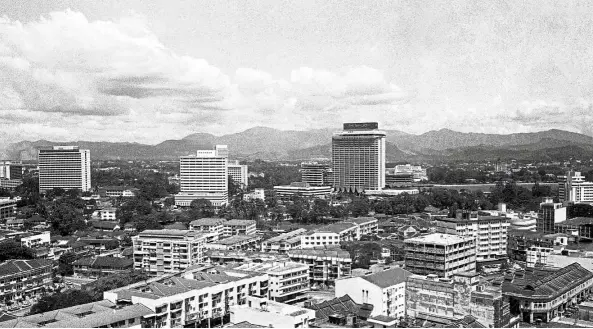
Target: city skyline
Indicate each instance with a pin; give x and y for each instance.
(128, 71)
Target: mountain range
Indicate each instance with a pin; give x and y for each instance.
(272, 144)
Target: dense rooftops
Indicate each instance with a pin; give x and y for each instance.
(336, 252)
(211, 221)
(170, 234)
(439, 239)
(18, 266)
(105, 262)
(388, 278)
(236, 239)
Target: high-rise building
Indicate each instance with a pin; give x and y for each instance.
(238, 173)
(550, 213)
(358, 158)
(315, 174)
(204, 176)
(65, 167)
(10, 170)
(574, 188)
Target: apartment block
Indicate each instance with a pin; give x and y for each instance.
(10, 170)
(24, 280)
(385, 290)
(489, 232)
(65, 167)
(330, 235)
(315, 174)
(168, 251)
(35, 240)
(325, 265)
(7, 208)
(366, 225)
(211, 225)
(284, 242)
(550, 214)
(358, 158)
(288, 280)
(204, 176)
(238, 227)
(582, 226)
(440, 254)
(201, 296)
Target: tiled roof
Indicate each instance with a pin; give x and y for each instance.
(99, 319)
(176, 226)
(388, 278)
(361, 220)
(341, 305)
(244, 324)
(548, 285)
(467, 322)
(105, 225)
(335, 252)
(577, 221)
(105, 262)
(239, 222)
(336, 228)
(17, 266)
(236, 239)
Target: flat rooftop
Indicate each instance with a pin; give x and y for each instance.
(236, 239)
(438, 239)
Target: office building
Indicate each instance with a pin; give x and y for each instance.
(440, 254)
(168, 251)
(10, 170)
(574, 188)
(199, 297)
(101, 314)
(238, 173)
(489, 232)
(24, 280)
(315, 174)
(65, 167)
(385, 290)
(325, 265)
(543, 295)
(204, 176)
(287, 280)
(358, 158)
(550, 214)
(7, 208)
(395, 180)
(285, 192)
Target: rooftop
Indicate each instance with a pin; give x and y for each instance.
(273, 267)
(236, 239)
(17, 266)
(577, 221)
(105, 262)
(340, 305)
(170, 233)
(207, 221)
(336, 228)
(439, 239)
(287, 235)
(239, 222)
(336, 252)
(361, 220)
(388, 278)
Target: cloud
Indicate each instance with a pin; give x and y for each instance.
(575, 115)
(68, 77)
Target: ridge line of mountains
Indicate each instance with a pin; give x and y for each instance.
(273, 145)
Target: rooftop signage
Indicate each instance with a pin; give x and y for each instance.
(361, 126)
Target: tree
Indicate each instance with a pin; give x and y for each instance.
(234, 187)
(65, 264)
(359, 207)
(61, 300)
(114, 281)
(201, 208)
(11, 249)
(65, 219)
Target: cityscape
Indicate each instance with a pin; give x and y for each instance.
(142, 186)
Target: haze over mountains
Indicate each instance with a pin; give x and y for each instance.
(272, 144)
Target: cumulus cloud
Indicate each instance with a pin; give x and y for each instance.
(64, 76)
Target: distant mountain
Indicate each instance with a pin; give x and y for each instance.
(272, 144)
(448, 139)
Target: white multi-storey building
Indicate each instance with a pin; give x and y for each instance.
(385, 290)
(238, 173)
(358, 158)
(168, 251)
(204, 176)
(288, 280)
(490, 232)
(65, 167)
(574, 188)
(10, 170)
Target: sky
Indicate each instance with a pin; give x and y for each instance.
(147, 71)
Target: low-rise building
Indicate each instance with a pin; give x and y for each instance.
(521, 241)
(212, 225)
(385, 290)
(440, 254)
(168, 251)
(242, 256)
(444, 301)
(340, 312)
(95, 267)
(325, 265)
(238, 227)
(330, 235)
(546, 295)
(13, 223)
(105, 214)
(285, 192)
(288, 280)
(271, 314)
(201, 296)
(7, 207)
(256, 194)
(35, 240)
(536, 256)
(236, 242)
(581, 226)
(284, 242)
(366, 225)
(101, 314)
(118, 191)
(23, 280)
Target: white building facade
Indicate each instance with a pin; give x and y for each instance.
(65, 167)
